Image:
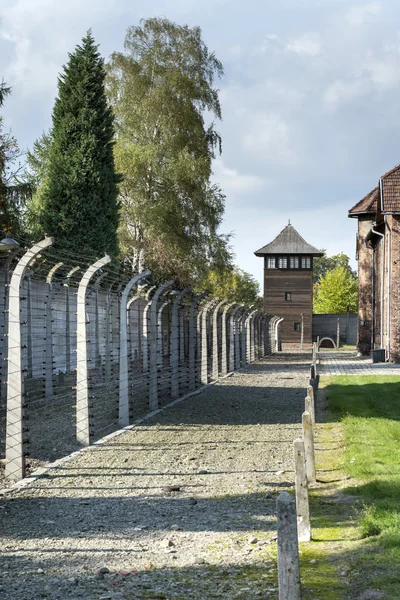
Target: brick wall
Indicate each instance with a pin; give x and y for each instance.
(364, 286)
(394, 224)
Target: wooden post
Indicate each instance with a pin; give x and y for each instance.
(308, 437)
(338, 334)
(302, 507)
(288, 550)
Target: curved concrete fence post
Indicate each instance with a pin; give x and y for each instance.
(48, 370)
(15, 459)
(153, 383)
(176, 342)
(123, 406)
(249, 337)
(145, 335)
(5, 271)
(278, 322)
(224, 339)
(215, 348)
(257, 334)
(272, 333)
(231, 343)
(192, 340)
(67, 283)
(204, 346)
(160, 344)
(97, 355)
(82, 389)
(243, 339)
(238, 319)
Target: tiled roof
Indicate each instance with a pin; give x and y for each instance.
(391, 191)
(367, 205)
(289, 241)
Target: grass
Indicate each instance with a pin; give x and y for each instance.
(367, 412)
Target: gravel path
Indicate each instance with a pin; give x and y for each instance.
(181, 506)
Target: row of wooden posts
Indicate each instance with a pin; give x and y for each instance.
(293, 512)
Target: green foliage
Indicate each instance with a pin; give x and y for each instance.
(12, 191)
(72, 166)
(337, 292)
(323, 264)
(160, 89)
(233, 284)
(370, 412)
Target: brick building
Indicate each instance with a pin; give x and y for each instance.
(288, 285)
(378, 255)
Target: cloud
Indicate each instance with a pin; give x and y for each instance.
(343, 92)
(235, 183)
(364, 13)
(268, 135)
(305, 45)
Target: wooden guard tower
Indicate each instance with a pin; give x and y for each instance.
(288, 285)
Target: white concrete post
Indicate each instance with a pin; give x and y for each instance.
(97, 355)
(243, 338)
(237, 337)
(153, 382)
(288, 548)
(224, 341)
(175, 342)
(192, 340)
(310, 404)
(160, 350)
(308, 437)
(232, 333)
(123, 408)
(15, 459)
(4, 334)
(82, 388)
(68, 319)
(203, 358)
(302, 505)
(49, 332)
(278, 322)
(215, 353)
(145, 335)
(249, 336)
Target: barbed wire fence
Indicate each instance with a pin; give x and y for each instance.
(86, 348)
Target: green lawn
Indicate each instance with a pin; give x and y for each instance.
(368, 409)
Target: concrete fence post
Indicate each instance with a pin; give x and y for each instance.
(123, 407)
(249, 336)
(145, 336)
(243, 339)
(5, 272)
(338, 335)
(309, 453)
(237, 337)
(232, 335)
(153, 366)
(175, 342)
(302, 505)
(160, 341)
(204, 346)
(224, 340)
(288, 548)
(48, 378)
(67, 284)
(192, 340)
(15, 459)
(82, 388)
(97, 353)
(310, 404)
(215, 348)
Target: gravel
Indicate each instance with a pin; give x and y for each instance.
(180, 507)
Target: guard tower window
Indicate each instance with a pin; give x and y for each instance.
(282, 262)
(288, 295)
(294, 262)
(271, 262)
(297, 327)
(306, 262)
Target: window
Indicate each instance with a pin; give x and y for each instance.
(294, 262)
(282, 262)
(288, 295)
(271, 262)
(306, 262)
(297, 327)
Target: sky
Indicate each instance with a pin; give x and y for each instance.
(310, 100)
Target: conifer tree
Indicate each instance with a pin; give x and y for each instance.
(77, 199)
